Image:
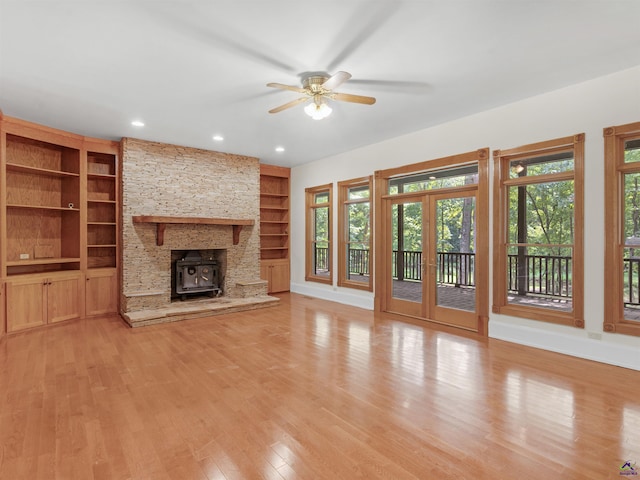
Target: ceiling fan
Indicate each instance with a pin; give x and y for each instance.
(319, 87)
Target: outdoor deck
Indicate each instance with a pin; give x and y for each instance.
(464, 298)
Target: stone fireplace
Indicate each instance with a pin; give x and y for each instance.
(167, 208)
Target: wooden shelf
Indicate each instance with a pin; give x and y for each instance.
(102, 176)
(42, 207)
(110, 245)
(162, 221)
(108, 224)
(101, 201)
(274, 195)
(41, 261)
(15, 167)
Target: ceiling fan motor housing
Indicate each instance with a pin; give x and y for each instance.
(314, 83)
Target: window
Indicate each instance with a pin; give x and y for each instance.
(622, 229)
(448, 177)
(318, 241)
(538, 231)
(354, 234)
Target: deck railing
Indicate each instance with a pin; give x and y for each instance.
(631, 280)
(358, 261)
(453, 268)
(322, 259)
(548, 275)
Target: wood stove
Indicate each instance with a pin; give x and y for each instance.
(197, 275)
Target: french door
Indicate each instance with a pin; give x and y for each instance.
(429, 250)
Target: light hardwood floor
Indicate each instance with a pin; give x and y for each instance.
(307, 390)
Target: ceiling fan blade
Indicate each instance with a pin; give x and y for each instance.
(293, 103)
(347, 97)
(336, 80)
(286, 87)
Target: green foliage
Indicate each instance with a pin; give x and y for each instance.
(451, 233)
(411, 214)
(632, 155)
(321, 225)
(435, 183)
(548, 210)
(452, 236)
(631, 205)
(543, 165)
(455, 217)
(359, 221)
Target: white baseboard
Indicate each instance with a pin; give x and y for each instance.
(587, 348)
(333, 295)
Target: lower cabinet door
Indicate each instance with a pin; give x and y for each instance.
(276, 273)
(38, 300)
(280, 281)
(101, 292)
(64, 298)
(26, 303)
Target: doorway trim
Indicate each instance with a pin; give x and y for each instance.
(382, 177)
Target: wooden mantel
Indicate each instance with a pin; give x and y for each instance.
(162, 222)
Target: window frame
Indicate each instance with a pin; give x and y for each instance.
(311, 206)
(501, 184)
(344, 228)
(615, 169)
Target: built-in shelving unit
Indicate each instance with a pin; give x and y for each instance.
(59, 194)
(102, 192)
(42, 204)
(274, 227)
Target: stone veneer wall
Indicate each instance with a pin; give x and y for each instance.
(169, 180)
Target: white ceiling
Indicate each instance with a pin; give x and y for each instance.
(192, 69)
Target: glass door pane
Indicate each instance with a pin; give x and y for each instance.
(455, 252)
(357, 257)
(321, 258)
(406, 251)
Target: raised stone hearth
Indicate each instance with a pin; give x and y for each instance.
(197, 309)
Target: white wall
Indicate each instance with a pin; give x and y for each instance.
(586, 107)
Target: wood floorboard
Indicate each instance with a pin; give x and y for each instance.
(307, 389)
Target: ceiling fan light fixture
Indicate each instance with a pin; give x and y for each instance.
(318, 111)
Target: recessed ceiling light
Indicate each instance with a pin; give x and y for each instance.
(279, 149)
(137, 123)
(218, 138)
